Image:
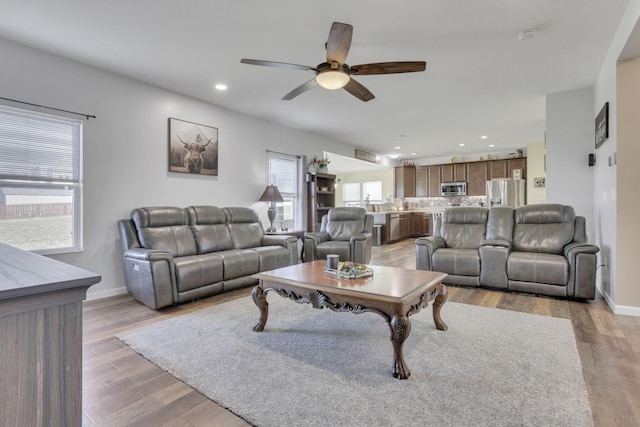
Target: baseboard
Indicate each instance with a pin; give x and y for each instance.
(626, 310)
(105, 294)
(619, 309)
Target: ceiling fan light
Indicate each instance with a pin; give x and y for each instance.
(332, 79)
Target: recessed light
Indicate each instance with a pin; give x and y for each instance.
(484, 137)
(527, 34)
(460, 145)
(492, 145)
(397, 148)
(393, 156)
(221, 86)
(413, 154)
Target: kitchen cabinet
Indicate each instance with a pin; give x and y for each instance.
(476, 185)
(434, 180)
(415, 224)
(321, 197)
(422, 182)
(426, 224)
(405, 181)
(519, 163)
(404, 225)
(454, 172)
(498, 169)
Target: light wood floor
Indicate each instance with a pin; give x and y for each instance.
(121, 388)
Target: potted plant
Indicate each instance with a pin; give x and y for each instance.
(323, 163)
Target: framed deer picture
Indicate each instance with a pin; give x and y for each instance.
(193, 148)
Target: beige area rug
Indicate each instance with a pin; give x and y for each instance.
(320, 368)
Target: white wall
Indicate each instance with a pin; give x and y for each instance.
(125, 149)
(570, 139)
(536, 158)
(605, 185)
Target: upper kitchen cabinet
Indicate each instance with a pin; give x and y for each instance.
(476, 184)
(454, 172)
(405, 181)
(422, 182)
(519, 163)
(434, 180)
(498, 169)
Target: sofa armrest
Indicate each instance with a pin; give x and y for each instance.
(361, 246)
(311, 240)
(496, 242)
(150, 276)
(279, 240)
(148, 254)
(576, 247)
(583, 261)
(425, 247)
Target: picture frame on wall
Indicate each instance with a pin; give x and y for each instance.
(602, 125)
(193, 148)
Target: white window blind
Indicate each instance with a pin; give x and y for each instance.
(284, 174)
(40, 181)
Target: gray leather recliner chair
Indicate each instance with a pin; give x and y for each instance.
(345, 231)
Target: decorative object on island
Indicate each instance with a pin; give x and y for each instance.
(271, 194)
(193, 148)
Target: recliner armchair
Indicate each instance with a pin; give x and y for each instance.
(345, 231)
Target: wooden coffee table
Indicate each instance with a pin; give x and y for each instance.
(393, 293)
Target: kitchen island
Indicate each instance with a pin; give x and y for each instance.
(398, 225)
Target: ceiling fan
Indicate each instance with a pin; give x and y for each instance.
(334, 73)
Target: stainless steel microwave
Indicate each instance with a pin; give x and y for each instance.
(453, 189)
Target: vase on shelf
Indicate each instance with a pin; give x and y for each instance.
(323, 169)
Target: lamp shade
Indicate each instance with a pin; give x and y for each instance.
(271, 194)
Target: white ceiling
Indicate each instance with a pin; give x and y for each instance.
(480, 79)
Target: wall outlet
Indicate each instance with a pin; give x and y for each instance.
(539, 182)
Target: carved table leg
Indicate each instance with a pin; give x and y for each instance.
(261, 301)
(437, 305)
(400, 327)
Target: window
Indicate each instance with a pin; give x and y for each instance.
(283, 173)
(360, 193)
(40, 181)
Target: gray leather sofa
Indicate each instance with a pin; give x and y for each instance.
(173, 255)
(539, 249)
(345, 231)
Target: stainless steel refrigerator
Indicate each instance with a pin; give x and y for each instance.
(506, 192)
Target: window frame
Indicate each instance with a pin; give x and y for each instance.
(44, 184)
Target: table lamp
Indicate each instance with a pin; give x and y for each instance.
(271, 194)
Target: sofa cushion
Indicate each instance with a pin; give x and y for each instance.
(209, 225)
(197, 270)
(342, 248)
(538, 267)
(343, 223)
(543, 228)
(272, 257)
(464, 227)
(463, 262)
(245, 228)
(239, 262)
(165, 229)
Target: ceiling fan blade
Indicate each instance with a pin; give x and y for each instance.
(388, 68)
(278, 64)
(359, 91)
(339, 42)
(300, 89)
